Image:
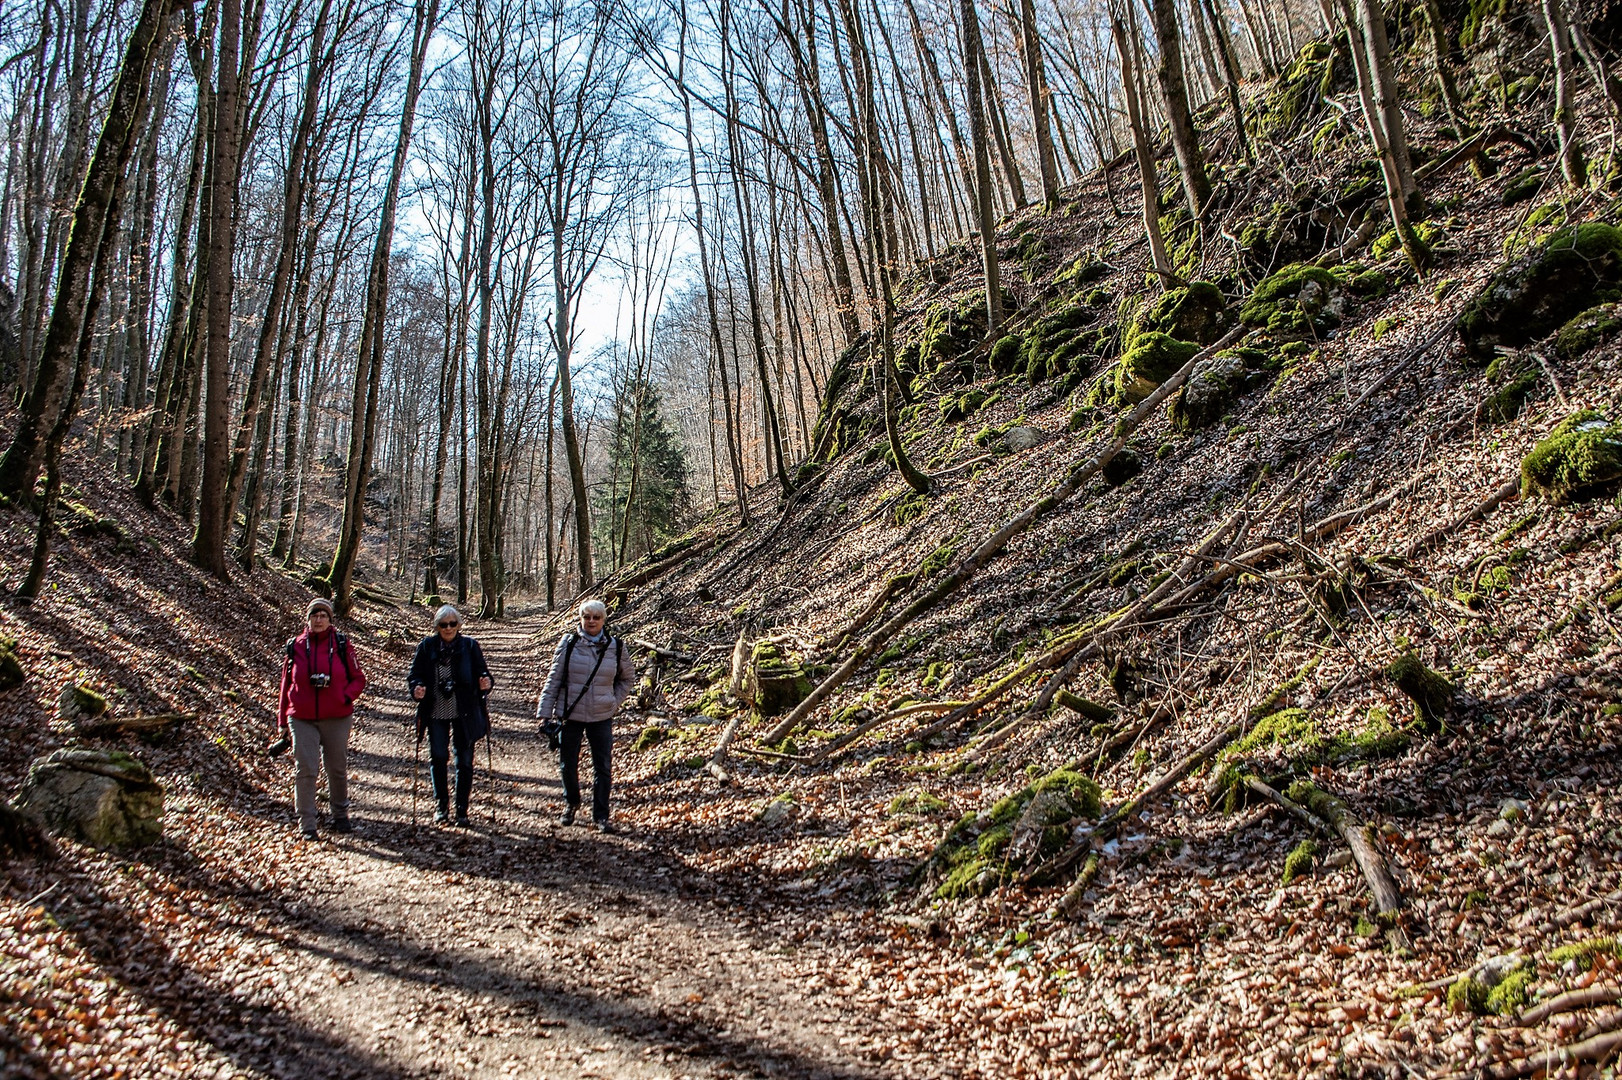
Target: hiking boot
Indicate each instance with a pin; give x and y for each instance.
(341, 825)
(568, 816)
(461, 819)
(441, 816)
(310, 834)
(603, 825)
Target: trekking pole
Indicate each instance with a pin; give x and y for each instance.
(416, 777)
(490, 770)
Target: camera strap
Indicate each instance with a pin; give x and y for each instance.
(601, 653)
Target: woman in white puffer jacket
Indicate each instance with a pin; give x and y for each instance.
(592, 675)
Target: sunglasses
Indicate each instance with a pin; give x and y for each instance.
(444, 625)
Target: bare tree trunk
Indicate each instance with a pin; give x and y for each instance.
(214, 516)
(369, 358)
(1185, 141)
(1230, 75)
(1395, 201)
(1125, 45)
(272, 331)
(1037, 84)
(108, 168)
(1388, 97)
(973, 54)
(1572, 165)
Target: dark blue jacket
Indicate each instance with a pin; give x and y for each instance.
(468, 668)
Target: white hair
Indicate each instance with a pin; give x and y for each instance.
(594, 607)
(447, 610)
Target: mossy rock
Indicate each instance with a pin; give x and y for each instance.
(1299, 92)
(1085, 270)
(78, 702)
(1215, 384)
(1153, 358)
(1122, 467)
(651, 736)
(11, 670)
(1427, 233)
(1587, 330)
(1299, 300)
(775, 680)
(1431, 692)
(1197, 312)
(985, 850)
(1056, 342)
(1005, 354)
(1581, 458)
(1524, 186)
(1299, 861)
(1569, 272)
(1506, 404)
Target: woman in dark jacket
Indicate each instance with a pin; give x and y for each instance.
(321, 678)
(450, 681)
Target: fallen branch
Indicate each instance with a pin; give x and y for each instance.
(152, 724)
(971, 564)
(613, 588)
(883, 718)
(660, 651)
(1508, 490)
(1570, 1001)
(1387, 898)
(1581, 912)
(1287, 804)
(1112, 821)
(1598, 1048)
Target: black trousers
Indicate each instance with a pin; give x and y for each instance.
(601, 737)
(443, 736)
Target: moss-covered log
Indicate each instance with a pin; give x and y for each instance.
(1387, 898)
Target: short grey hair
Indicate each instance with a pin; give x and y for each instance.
(447, 610)
(594, 607)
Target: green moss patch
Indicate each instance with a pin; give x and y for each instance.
(1569, 272)
(1152, 359)
(1431, 693)
(1580, 458)
(1506, 404)
(651, 736)
(1299, 861)
(1587, 330)
(1294, 302)
(1584, 953)
(1198, 312)
(974, 857)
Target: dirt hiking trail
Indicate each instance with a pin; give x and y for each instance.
(523, 948)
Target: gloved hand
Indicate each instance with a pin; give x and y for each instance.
(281, 745)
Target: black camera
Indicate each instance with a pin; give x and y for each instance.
(320, 680)
(447, 687)
(279, 747)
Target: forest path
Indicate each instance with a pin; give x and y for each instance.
(523, 948)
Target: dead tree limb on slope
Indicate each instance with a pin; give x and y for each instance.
(1387, 898)
(883, 718)
(1501, 494)
(1597, 1048)
(971, 564)
(1569, 1001)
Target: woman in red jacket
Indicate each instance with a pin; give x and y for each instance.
(320, 681)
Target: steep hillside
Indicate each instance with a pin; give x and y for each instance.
(1347, 591)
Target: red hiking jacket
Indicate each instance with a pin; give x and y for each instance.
(319, 654)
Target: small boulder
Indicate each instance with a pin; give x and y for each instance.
(1198, 312)
(104, 798)
(773, 680)
(1581, 458)
(776, 811)
(1211, 389)
(1584, 331)
(1301, 300)
(1153, 358)
(1023, 438)
(11, 669)
(1122, 467)
(78, 703)
(1569, 272)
